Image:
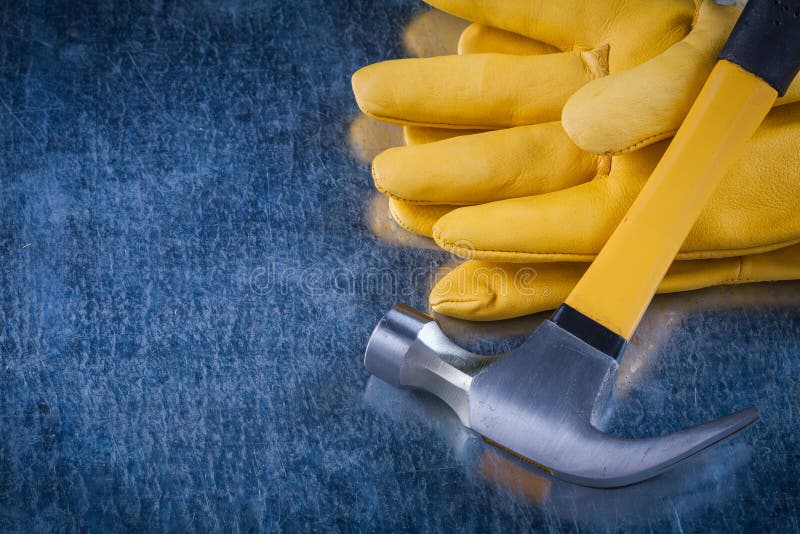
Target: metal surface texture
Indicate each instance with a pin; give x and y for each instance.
(540, 400)
(192, 259)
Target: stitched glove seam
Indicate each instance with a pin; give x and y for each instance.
(397, 219)
(390, 194)
(638, 144)
(688, 255)
(402, 122)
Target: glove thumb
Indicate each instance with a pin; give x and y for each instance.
(647, 103)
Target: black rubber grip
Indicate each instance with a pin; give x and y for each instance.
(766, 41)
(589, 330)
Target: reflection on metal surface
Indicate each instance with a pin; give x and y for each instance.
(381, 225)
(671, 312)
(502, 470)
(433, 33)
(367, 137)
(699, 482)
(430, 33)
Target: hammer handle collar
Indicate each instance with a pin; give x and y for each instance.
(590, 331)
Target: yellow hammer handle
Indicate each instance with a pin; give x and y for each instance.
(619, 284)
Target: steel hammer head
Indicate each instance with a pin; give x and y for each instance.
(539, 401)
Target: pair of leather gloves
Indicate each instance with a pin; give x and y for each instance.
(525, 150)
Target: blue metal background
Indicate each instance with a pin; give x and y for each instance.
(192, 259)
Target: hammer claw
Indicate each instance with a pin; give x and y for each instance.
(537, 402)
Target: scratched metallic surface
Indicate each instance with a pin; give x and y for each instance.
(193, 260)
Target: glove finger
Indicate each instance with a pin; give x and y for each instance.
(420, 135)
(481, 39)
(566, 225)
(367, 138)
(636, 28)
(474, 91)
(433, 33)
(417, 218)
(472, 169)
(561, 226)
(647, 103)
(485, 291)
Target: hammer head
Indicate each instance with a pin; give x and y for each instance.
(539, 402)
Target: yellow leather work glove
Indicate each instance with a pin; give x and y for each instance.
(482, 90)
(624, 72)
(539, 159)
(527, 252)
(567, 202)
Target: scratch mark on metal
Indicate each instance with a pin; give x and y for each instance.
(14, 116)
(150, 89)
